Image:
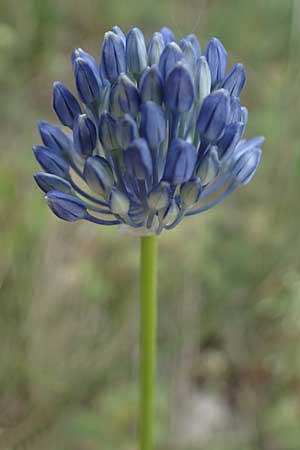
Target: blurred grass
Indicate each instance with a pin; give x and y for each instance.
(229, 317)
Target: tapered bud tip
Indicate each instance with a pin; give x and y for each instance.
(179, 89)
(168, 35)
(84, 135)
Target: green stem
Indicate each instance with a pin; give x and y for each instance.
(148, 341)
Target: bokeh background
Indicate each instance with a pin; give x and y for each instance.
(229, 280)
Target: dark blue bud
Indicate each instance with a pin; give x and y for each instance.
(84, 135)
(159, 197)
(179, 89)
(214, 115)
(66, 206)
(153, 124)
(190, 192)
(235, 80)
(65, 104)
(89, 59)
(127, 131)
(189, 54)
(168, 35)
(195, 43)
(128, 95)
(180, 162)
(245, 165)
(216, 56)
(108, 131)
(113, 56)
(117, 30)
(170, 56)
(49, 182)
(50, 161)
(98, 175)
(151, 85)
(232, 134)
(136, 52)
(87, 82)
(53, 137)
(155, 49)
(138, 160)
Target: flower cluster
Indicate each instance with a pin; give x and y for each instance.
(157, 135)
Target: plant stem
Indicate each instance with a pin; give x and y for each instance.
(148, 341)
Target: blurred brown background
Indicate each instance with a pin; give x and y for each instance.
(229, 280)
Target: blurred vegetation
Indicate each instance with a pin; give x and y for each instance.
(229, 313)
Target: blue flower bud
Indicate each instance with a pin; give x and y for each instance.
(49, 182)
(117, 30)
(136, 52)
(119, 203)
(180, 163)
(153, 124)
(128, 95)
(89, 59)
(229, 140)
(127, 131)
(179, 89)
(113, 56)
(50, 161)
(245, 165)
(190, 192)
(87, 82)
(216, 56)
(214, 115)
(195, 43)
(151, 85)
(66, 206)
(114, 104)
(155, 49)
(53, 137)
(98, 175)
(84, 135)
(189, 54)
(138, 159)
(167, 34)
(202, 80)
(170, 56)
(65, 104)
(108, 131)
(235, 80)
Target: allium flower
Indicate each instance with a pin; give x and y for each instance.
(158, 135)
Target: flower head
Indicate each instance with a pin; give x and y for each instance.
(157, 135)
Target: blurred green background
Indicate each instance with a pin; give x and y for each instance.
(229, 280)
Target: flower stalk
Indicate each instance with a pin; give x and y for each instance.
(148, 314)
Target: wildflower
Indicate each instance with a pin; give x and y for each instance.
(158, 135)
